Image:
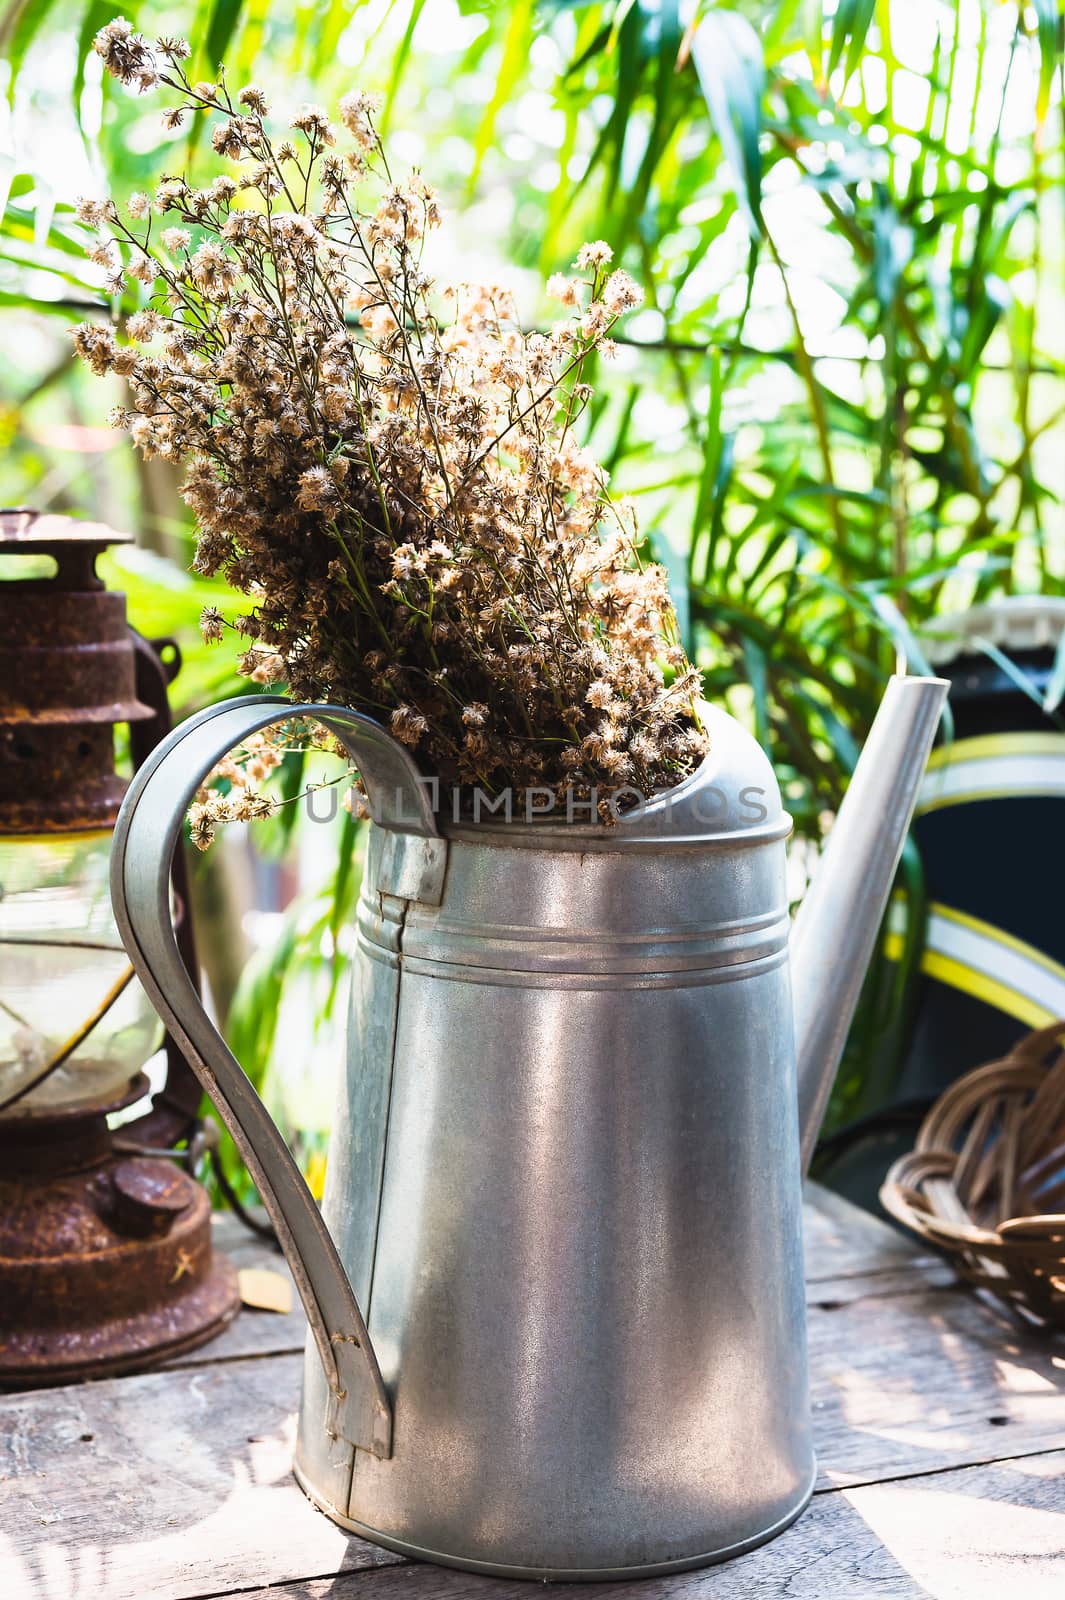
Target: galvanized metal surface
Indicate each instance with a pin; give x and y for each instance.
(839, 919)
(358, 1407)
(565, 1171)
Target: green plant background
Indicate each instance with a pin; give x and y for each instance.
(841, 410)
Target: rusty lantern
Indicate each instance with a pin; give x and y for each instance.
(105, 1243)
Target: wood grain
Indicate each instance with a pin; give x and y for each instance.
(171, 1484)
(842, 1241)
(978, 1534)
(176, 1484)
(926, 1380)
(254, 1333)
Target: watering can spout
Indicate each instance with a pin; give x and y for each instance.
(837, 924)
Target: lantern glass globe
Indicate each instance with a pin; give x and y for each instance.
(62, 969)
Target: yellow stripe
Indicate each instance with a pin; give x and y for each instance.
(1016, 791)
(981, 987)
(958, 975)
(971, 981)
(998, 936)
(997, 744)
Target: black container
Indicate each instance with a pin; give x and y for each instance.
(998, 861)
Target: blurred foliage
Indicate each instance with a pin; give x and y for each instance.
(841, 410)
(289, 1012)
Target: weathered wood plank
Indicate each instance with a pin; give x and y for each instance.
(167, 1485)
(927, 1379)
(843, 1241)
(176, 1483)
(977, 1534)
(922, 1381)
(828, 1294)
(254, 1333)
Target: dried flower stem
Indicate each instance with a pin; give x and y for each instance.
(387, 470)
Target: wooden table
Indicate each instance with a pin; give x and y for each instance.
(940, 1433)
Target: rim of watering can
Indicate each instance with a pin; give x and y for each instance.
(689, 813)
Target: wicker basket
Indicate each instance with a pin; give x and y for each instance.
(986, 1180)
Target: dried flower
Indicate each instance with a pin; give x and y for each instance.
(621, 293)
(399, 489)
(212, 624)
(596, 254)
(559, 287)
(356, 113)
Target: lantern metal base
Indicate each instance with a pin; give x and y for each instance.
(106, 1262)
(36, 1359)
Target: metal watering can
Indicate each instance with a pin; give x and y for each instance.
(556, 1287)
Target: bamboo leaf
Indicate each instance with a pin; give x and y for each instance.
(813, 24)
(991, 301)
(399, 61)
(673, 552)
(754, 662)
(516, 43)
(252, 29)
(22, 31)
(712, 445)
(1047, 25)
(223, 23)
(340, 896)
(1013, 672)
(850, 25)
(728, 58)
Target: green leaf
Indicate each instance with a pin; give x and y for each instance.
(399, 61)
(27, 24)
(340, 910)
(1046, 12)
(1013, 672)
(998, 240)
(673, 551)
(516, 44)
(754, 661)
(253, 26)
(849, 28)
(290, 786)
(988, 308)
(712, 442)
(907, 646)
(9, 182)
(893, 245)
(728, 58)
(813, 15)
(345, 867)
(97, 14)
(666, 120)
(225, 18)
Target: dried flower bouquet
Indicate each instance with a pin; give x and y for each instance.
(389, 472)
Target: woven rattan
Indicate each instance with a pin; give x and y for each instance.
(986, 1180)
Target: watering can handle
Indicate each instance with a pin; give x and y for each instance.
(414, 858)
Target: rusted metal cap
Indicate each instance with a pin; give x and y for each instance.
(67, 676)
(149, 1196)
